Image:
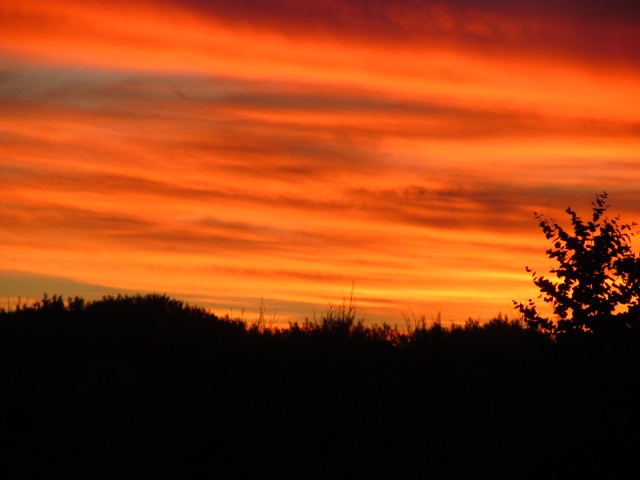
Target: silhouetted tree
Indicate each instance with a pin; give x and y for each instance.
(598, 287)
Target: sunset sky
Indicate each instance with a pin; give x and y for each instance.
(225, 152)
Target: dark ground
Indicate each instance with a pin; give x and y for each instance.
(119, 391)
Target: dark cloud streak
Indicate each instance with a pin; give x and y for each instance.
(563, 29)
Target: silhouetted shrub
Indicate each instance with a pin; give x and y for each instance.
(598, 288)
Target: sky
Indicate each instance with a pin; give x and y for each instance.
(238, 154)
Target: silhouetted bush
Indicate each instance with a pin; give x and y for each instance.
(598, 287)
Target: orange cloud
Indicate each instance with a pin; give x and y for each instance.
(223, 155)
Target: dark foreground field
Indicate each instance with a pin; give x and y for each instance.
(147, 384)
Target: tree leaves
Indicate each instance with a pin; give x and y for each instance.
(597, 285)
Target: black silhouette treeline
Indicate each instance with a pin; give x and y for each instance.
(149, 382)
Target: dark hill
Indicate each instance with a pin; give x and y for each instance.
(147, 382)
